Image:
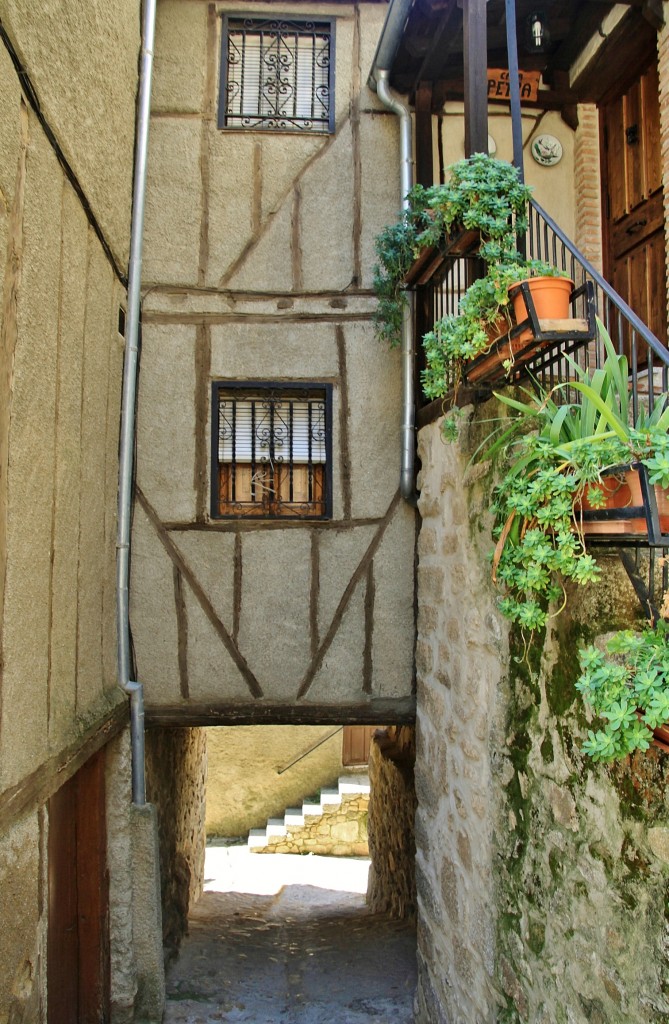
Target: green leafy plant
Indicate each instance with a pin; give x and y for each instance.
(481, 194)
(627, 688)
(572, 446)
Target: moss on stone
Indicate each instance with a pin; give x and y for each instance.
(546, 748)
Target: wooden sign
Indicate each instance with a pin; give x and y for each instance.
(498, 84)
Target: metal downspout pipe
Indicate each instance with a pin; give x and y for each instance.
(127, 437)
(408, 428)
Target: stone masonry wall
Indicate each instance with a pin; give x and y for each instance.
(541, 877)
(392, 808)
(176, 774)
(341, 831)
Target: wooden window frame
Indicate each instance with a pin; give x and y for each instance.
(266, 500)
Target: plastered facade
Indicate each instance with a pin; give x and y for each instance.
(63, 243)
(258, 267)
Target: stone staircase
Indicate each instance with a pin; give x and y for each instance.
(335, 825)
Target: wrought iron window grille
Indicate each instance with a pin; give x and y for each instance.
(271, 451)
(277, 75)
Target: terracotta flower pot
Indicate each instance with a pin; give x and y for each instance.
(550, 296)
(661, 738)
(662, 499)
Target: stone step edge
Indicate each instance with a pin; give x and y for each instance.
(347, 785)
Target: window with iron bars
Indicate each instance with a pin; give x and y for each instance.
(271, 450)
(277, 75)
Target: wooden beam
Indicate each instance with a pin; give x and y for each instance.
(447, 34)
(374, 712)
(424, 154)
(33, 791)
(653, 12)
(475, 76)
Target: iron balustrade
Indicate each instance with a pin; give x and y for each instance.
(439, 290)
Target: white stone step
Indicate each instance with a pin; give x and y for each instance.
(312, 809)
(354, 784)
(293, 816)
(257, 837)
(276, 827)
(330, 796)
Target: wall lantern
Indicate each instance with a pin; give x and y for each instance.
(537, 35)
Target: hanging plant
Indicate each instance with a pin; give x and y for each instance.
(627, 688)
(481, 194)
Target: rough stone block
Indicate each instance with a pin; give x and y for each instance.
(22, 981)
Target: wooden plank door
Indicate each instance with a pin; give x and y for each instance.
(78, 928)
(356, 743)
(633, 200)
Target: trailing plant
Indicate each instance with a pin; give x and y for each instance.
(539, 535)
(627, 687)
(482, 194)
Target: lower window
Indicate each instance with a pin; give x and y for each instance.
(271, 450)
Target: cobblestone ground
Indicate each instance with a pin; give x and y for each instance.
(303, 956)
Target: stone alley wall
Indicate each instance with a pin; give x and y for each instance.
(176, 775)
(541, 876)
(392, 809)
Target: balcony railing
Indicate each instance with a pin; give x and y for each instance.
(442, 281)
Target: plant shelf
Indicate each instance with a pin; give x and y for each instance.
(519, 348)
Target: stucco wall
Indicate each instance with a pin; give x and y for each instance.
(59, 415)
(244, 787)
(541, 877)
(82, 63)
(60, 378)
(258, 267)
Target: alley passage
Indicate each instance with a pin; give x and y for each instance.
(306, 955)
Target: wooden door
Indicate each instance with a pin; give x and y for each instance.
(633, 201)
(355, 744)
(78, 929)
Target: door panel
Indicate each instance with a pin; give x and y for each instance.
(78, 927)
(356, 743)
(635, 262)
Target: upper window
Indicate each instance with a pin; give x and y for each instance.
(277, 75)
(271, 450)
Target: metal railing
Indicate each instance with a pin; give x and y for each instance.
(647, 356)
(439, 295)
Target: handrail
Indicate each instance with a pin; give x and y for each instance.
(612, 295)
(310, 750)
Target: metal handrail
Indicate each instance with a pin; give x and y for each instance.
(612, 295)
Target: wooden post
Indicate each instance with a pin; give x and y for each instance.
(476, 76)
(424, 156)
(514, 87)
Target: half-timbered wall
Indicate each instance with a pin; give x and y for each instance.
(258, 267)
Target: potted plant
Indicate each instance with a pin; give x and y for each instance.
(627, 686)
(456, 344)
(483, 195)
(540, 540)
